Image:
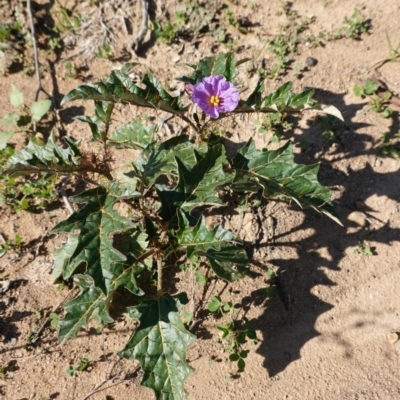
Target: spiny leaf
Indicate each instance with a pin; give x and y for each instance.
(99, 123)
(127, 279)
(97, 221)
(218, 245)
(160, 159)
(223, 64)
(277, 174)
(62, 257)
(50, 157)
(160, 344)
(134, 136)
(196, 186)
(91, 302)
(284, 101)
(119, 87)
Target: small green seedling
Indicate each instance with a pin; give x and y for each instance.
(54, 320)
(378, 102)
(355, 26)
(71, 371)
(25, 116)
(234, 335)
(13, 244)
(82, 365)
(216, 306)
(330, 131)
(71, 70)
(388, 148)
(394, 54)
(364, 250)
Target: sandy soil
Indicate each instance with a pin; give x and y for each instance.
(331, 334)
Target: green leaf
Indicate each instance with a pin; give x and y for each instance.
(160, 344)
(35, 158)
(9, 119)
(284, 101)
(241, 364)
(218, 245)
(197, 185)
(134, 136)
(214, 304)
(4, 138)
(277, 174)
(223, 64)
(119, 87)
(39, 109)
(91, 300)
(99, 123)
(62, 257)
(370, 87)
(96, 221)
(16, 97)
(234, 357)
(160, 159)
(127, 279)
(358, 91)
(200, 279)
(255, 97)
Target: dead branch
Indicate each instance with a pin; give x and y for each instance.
(133, 45)
(39, 87)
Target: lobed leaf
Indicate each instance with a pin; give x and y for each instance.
(277, 174)
(196, 185)
(160, 159)
(96, 221)
(133, 135)
(160, 344)
(99, 123)
(90, 303)
(220, 246)
(119, 87)
(284, 101)
(223, 64)
(49, 157)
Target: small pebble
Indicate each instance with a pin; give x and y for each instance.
(311, 62)
(392, 337)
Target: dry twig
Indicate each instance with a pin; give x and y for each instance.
(133, 45)
(39, 87)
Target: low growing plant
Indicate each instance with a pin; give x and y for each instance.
(378, 100)
(24, 117)
(171, 186)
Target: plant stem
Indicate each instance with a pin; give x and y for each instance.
(186, 119)
(159, 278)
(39, 87)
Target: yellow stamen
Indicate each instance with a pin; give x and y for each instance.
(214, 100)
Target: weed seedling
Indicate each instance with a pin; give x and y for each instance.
(24, 117)
(14, 244)
(387, 147)
(378, 101)
(364, 250)
(355, 26)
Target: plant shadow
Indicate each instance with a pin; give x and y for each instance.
(288, 320)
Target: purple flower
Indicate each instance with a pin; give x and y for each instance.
(215, 94)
